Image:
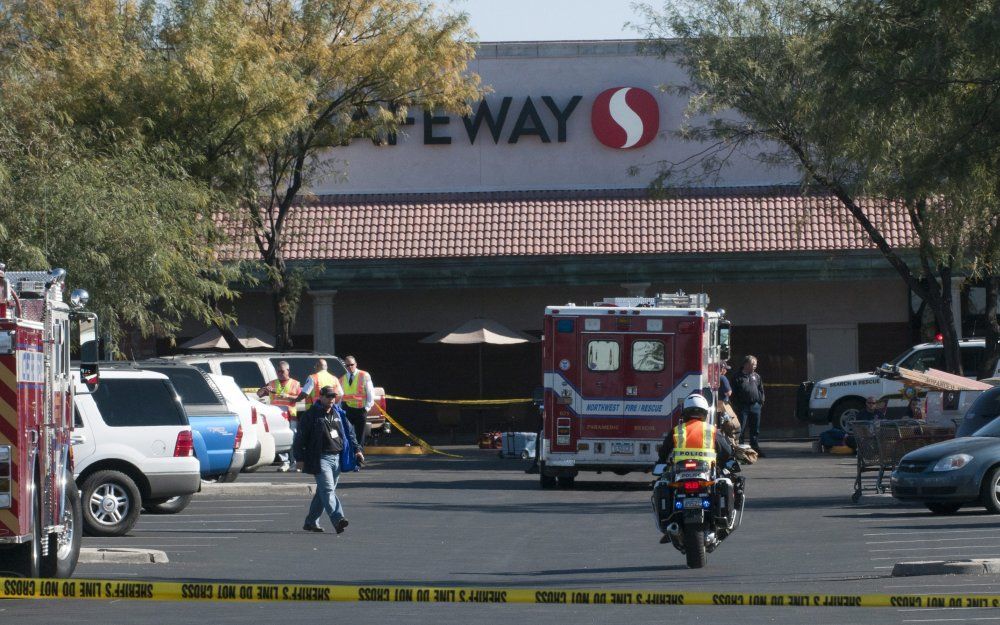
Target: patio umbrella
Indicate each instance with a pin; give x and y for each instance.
(249, 336)
(479, 332)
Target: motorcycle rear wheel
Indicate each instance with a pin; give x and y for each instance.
(694, 547)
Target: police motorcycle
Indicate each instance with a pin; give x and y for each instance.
(697, 505)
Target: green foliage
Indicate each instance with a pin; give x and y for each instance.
(889, 105)
(127, 225)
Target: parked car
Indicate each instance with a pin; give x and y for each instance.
(961, 472)
(252, 370)
(251, 419)
(838, 400)
(132, 448)
(216, 429)
(984, 410)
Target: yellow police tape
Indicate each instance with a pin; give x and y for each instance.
(471, 402)
(138, 590)
(413, 437)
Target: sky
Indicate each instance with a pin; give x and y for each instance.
(548, 20)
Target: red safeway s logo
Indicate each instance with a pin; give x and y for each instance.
(625, 117)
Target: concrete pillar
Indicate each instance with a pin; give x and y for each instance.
(323, 339)
(635, 289)
(956, 304)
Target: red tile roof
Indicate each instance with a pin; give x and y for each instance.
(560, 223)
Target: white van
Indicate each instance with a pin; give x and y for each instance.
(132, 448)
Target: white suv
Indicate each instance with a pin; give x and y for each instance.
(838, 400)
(132, 447)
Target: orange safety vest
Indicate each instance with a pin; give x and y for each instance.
(292, 388)
(694, 439)
(354, 394)
(321, 379)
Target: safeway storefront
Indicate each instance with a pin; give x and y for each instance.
(539, 197)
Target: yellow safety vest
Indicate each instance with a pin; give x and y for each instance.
(321, 379)
(354, 394)
(292, 388)
(694, 440)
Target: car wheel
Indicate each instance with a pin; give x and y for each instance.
(168, 505)
(111, 503)
(845, 413)
(991, 491)
(943, 508)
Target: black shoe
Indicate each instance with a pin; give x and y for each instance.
(340, 526)
(314, 528)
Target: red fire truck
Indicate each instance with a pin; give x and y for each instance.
(616, 374)
(40, 510)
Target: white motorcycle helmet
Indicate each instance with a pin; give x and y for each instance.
(695, 406)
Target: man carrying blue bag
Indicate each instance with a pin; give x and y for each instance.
(325, 446)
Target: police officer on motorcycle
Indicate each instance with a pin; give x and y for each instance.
(693, 434)
(694, 431)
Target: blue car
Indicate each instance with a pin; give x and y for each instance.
(961, 472)
(215, 429)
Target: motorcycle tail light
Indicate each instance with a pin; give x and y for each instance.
(690, 465)
(691, 486)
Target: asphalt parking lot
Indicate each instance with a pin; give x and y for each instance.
(480, 521)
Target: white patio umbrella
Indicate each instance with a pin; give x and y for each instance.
(248, 336)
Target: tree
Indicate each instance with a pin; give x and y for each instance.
(363, 64)
(165, 99)
(124, 217)
(850, 95)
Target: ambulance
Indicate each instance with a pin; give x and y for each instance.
(615, 376)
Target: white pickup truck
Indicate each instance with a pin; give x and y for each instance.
(838, 400)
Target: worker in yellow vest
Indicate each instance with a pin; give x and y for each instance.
(359, 397)
(318, 380)
(284, 392)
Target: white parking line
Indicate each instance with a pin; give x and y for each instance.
(936, 548)
(298, 505)
(942, 620)
(916, 557)
(200, 521)
(215, 514)
(206, 502)
(921, 540)
(147, 546)
(931, 531)
(955, 585)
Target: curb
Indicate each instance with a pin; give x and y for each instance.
(978, 566)
(255, 488)
(107, 555)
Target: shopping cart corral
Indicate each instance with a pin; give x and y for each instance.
(883, 442)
